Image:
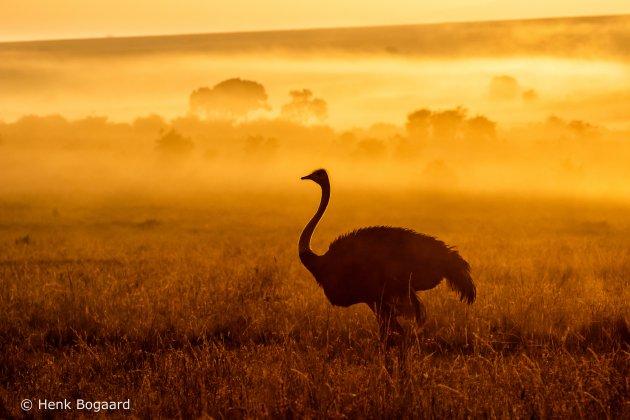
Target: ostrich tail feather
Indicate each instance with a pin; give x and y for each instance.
(459, 279)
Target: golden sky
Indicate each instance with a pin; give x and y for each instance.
(47, 19)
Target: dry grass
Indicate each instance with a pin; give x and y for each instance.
(206, 311)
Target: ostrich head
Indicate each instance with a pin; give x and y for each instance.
(319, 176)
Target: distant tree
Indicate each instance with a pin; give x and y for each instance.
(347, 138)
(576, 129)
(45, 124)
(480, 128)
(305, 108)
(231, 98)
(448, 123)
(383, 130)
(443, 126)
(371, 148)
(530, 95)
(504, 88)
(259, 146)
(419, 124)
(582, 128)
(92, 123)
(553, 121)
(173, 144)
(150, 123)
(345, 143)
(49, 131)
(406, 149)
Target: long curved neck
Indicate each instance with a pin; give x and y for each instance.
(307, 255)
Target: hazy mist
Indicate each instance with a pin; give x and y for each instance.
(530, 106)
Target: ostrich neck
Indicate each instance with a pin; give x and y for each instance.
(307, 255)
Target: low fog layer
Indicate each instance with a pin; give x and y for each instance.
(541, 108)
(218, 145)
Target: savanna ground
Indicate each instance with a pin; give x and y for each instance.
(201, 308)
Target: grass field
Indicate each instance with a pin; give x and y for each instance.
(202, 309)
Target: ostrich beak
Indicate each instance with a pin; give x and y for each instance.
(307, 177)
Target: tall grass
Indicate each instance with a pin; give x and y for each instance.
(205, 312)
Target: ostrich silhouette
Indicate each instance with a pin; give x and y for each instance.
(383, 267)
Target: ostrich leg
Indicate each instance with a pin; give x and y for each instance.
(421, 310)
(389, 327)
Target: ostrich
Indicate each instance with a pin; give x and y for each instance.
(383, 267)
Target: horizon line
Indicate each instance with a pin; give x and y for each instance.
(306, 29)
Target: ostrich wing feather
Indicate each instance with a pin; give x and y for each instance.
(407, 259)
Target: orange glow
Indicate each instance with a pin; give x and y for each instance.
(395, 107)
(43, 19)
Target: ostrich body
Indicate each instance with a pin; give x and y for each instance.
(383, 267)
